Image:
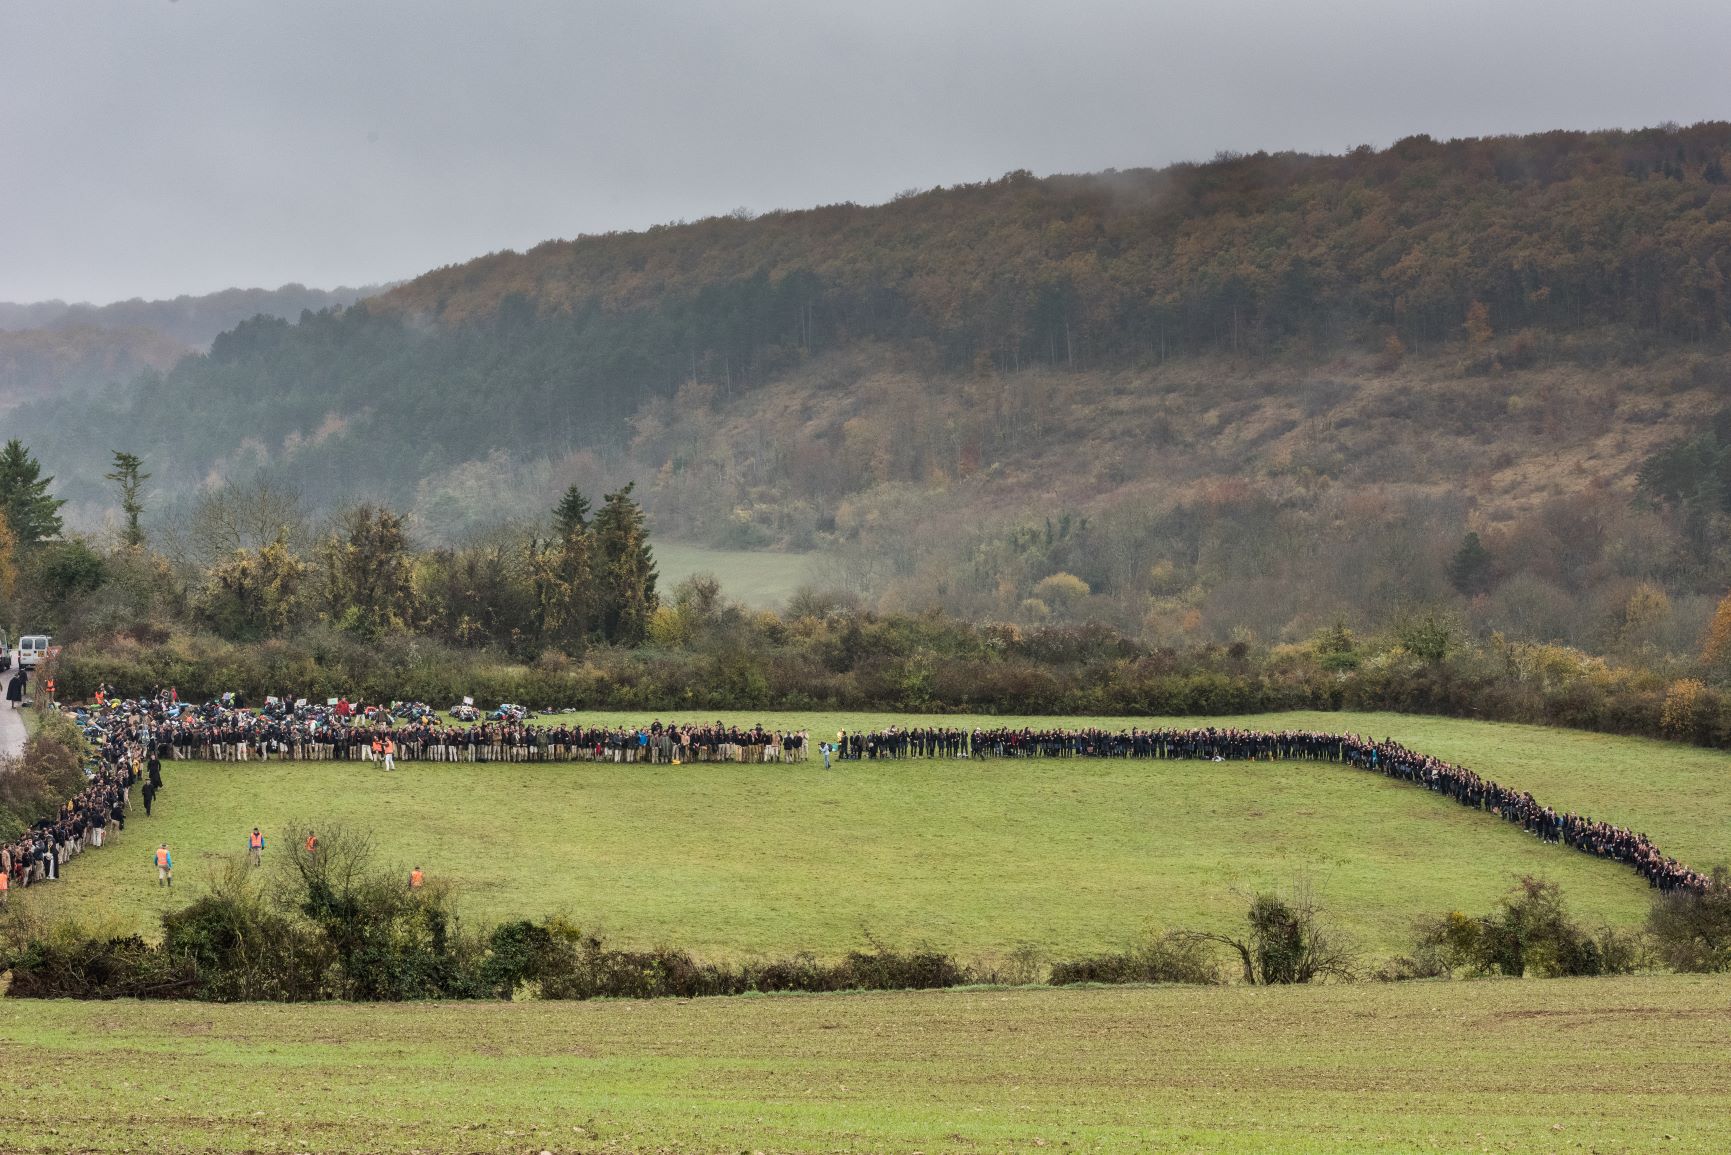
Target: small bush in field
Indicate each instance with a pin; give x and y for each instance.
(1531, 932)
(1692, 932)
(1170, 957)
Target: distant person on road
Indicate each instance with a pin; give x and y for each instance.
(164, 866)
(15, 688)
(255, 846)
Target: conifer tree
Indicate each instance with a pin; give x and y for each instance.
(1472, 569)
(624, 570)
(128, 475)
(572, 513)
(564, 574)
(24, 500)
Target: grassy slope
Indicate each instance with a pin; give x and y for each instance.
(1617, 1065)
(757, 578)
(973, 857)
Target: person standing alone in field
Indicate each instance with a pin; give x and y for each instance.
(416, 878)
(164, 866)
(255, 846)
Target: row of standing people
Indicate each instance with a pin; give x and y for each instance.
(234, 734)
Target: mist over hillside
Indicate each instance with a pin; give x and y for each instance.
(48, 362)
(1255, 395)
(51, 348)
(192, 321)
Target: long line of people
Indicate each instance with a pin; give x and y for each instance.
(133, 733)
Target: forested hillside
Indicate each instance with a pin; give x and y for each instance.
(1244, 397)
(44, 362)
(51, 348)
(192, 321)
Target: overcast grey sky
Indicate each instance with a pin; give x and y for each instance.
(155, 147)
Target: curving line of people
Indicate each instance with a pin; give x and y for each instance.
(133, 734)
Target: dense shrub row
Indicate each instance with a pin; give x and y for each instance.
(922, 664)
(328, 924)
(332, 927)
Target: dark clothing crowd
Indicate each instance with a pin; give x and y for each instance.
(133, 735)
(83, 823)
(1389, 758)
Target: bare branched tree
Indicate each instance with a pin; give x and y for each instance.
(240, 515)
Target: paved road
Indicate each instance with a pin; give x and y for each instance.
(11, 721)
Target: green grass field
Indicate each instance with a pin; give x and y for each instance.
(971, 857)
(1605, 1065)
(757, 578)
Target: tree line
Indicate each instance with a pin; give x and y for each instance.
(251, 567)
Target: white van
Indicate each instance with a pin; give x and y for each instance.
(32, 648)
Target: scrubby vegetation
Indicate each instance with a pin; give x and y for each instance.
(822, 654)
(38, 783)
(1531, 932)
(331, 923)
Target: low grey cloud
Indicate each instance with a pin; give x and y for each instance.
(153, 147)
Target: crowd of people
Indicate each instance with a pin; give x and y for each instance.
(131, 736)
(84, 822)
(337, 730)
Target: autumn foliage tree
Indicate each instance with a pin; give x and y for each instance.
(254, 593)
(1716, 645)
(365, 571)
(8, 563)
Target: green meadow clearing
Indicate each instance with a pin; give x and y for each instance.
(758, 578)
(1605, 1065)
(973, 857)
